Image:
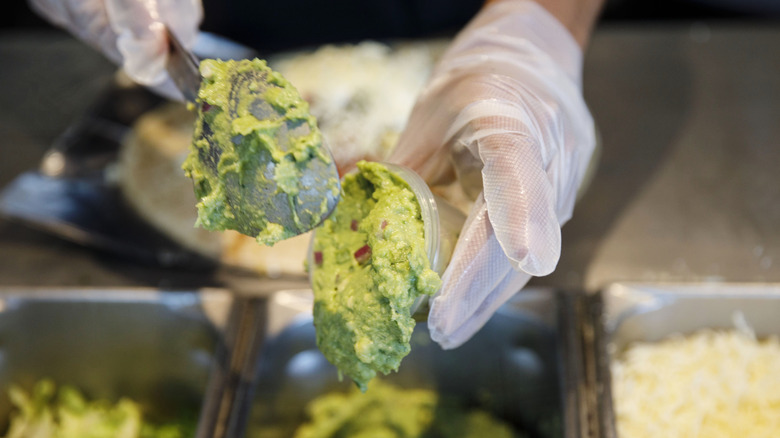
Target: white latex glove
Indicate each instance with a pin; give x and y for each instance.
(505, 98)
(129, 32)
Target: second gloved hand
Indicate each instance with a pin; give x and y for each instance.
(129, 32)
(504, 106)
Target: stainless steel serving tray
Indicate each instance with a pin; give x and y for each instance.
(625, 313)
(520, 366)
(154, 347)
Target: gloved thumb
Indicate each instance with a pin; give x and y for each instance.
(141, 37)
(478, 280)
(518, 193)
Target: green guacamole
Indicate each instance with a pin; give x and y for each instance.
(253, 133)
(369, 266)
(51, 412)
(386, 411)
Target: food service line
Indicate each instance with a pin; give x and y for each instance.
(686, 189)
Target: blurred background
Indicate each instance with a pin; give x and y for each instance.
(257, 23)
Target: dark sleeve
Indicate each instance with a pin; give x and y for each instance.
(271, 25)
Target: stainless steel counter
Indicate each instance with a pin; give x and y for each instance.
(686, 187)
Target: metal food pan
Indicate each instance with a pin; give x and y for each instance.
(626, 313)
(516, 367)
(153, 347)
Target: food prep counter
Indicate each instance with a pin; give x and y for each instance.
(660, 354)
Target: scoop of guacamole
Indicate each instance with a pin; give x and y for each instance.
(369, 266)
(254, 138)
(64, 412)
(386, 411)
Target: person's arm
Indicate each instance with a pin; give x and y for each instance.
(578, 16)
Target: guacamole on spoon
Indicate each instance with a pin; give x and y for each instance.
(257, 161)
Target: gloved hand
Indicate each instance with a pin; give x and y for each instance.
(129, 32)
(505, 102)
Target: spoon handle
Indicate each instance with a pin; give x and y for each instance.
(182, 66)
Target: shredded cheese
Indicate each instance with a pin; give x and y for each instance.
(361, 94)
(710, 384)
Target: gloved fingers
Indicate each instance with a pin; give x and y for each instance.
(510, 284)
(87, 20)
(506, 97)
(503, 126)
(208, 46)
(441, 111)
(54, 11)
(129, 32)
(478, 280)
(540, 104)
(539, 142)
(421, 146)
(183, 17)
(141, 37)
(520, 200)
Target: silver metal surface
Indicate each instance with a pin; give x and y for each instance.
(687, 188)
(516, 367)
(626, 313)
(231, 385)
(153, 347)
(182, 67)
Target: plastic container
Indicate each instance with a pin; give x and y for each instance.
(442, 223)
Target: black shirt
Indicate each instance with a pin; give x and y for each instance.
(272, 25)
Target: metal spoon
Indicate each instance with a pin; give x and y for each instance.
(316, 180)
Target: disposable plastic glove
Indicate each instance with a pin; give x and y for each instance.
(504, 104)
(131, 33)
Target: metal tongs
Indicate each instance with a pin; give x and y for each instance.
(230, 392)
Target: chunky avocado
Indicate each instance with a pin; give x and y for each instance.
(369, 266)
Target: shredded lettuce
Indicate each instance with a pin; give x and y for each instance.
(65, 413)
